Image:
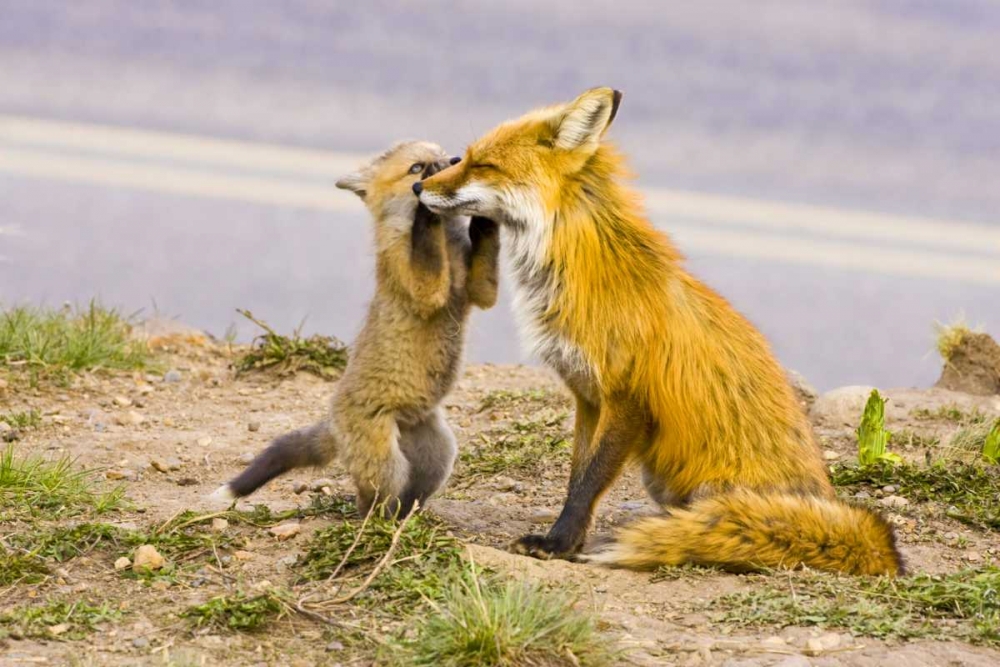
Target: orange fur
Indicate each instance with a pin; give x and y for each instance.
(606, 301)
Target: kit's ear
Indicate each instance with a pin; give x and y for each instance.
(585, 120)
(356, 183)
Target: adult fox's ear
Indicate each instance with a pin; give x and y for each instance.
(585, 120)
(356, 183)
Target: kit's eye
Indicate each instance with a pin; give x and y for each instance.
(417, 167)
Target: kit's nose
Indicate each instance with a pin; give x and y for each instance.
(454, 160)
(418, 187)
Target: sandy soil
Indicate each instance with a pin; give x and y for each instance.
(201, 428)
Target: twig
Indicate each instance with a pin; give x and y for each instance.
(385, 559)
(350, 550)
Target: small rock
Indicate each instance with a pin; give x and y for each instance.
(973, 557)
(148, 558)
(172, 375)
(950, 537)
(543, 514)
(4, 427)
(11, 435)
(160, 585)
(862, 495)
(286, 531)
(831, 455)
(821, 644)
(167, 465)
(334, 646)
(56, 630)
(889, 488)
(219, 525)
(243, 555)
(188, 481)
(122, 401)
(204, 442)
(123, 563)
(503, 483)
(130, 418)
(115, 474)
(253, 427)
(140, 642)
(300, 487)
(319, 484)
(245, 459)
(894, 501)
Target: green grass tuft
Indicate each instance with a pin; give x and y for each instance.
(872, 436)
(520, 446)
(69, 340)
(20, 568)
(23, 420)
(285, 355)
(493, 623)
(970, 492)
(949, 337)
(963, 605)
(949, 413)
(56, 620)
(33, 486)
(423, 558)
(970, 441)
(991, 444)
(240, 612)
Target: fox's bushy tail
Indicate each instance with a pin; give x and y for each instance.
(744, 530)
(310, 446)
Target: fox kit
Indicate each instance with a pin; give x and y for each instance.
(385, 423)
(663, 370)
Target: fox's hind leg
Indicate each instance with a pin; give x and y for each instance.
(430, 447)
(311, 446)
(372, 456)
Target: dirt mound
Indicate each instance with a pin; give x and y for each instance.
(972, 366)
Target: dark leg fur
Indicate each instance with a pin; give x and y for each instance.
(483, 277)
(593, 472)
(310, 446)
(430, 448)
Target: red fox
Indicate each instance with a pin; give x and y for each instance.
(386, 424)
(664, 371)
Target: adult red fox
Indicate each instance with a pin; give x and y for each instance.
(665, 372)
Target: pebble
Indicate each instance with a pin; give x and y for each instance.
(188, 481)
(4, 427)
(831, 455)
(166, 465)
(219, 525)
(122, 401)
(823, 643)
(123, 563)
(543, 514)
(172, 375)
(245, 458)
(286, 531)
(950, 536)
(503, 483)
(204, 442)
(115, 474)
(253, 427)
(334, 646)
(242, 555)
(973, 557)
(56, 630)
(894, 501)
(862, 495)
(321, 483)
(148, 558)
(140, 642)
(130, 418)
(300, 487)
(889, 488)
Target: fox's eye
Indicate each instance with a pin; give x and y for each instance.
(485, 165)
(417, 167)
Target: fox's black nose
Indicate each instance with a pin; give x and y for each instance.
(454, 160)
(418, 187)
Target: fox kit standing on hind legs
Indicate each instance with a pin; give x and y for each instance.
(386, 424)
(664, 371)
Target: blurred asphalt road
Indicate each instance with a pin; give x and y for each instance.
(829, 167)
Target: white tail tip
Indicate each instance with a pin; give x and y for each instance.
(223, 493)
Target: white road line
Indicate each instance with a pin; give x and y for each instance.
(851, 256)
(102, 171)
(166, 145)
(226, 169)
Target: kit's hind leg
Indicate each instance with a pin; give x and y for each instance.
(430, 447)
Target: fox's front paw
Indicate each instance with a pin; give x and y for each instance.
(542, 547)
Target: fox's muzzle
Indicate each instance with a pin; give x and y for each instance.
(431, 169)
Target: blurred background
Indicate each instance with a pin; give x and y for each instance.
(830, 167)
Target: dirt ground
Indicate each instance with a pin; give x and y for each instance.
(202, 424)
